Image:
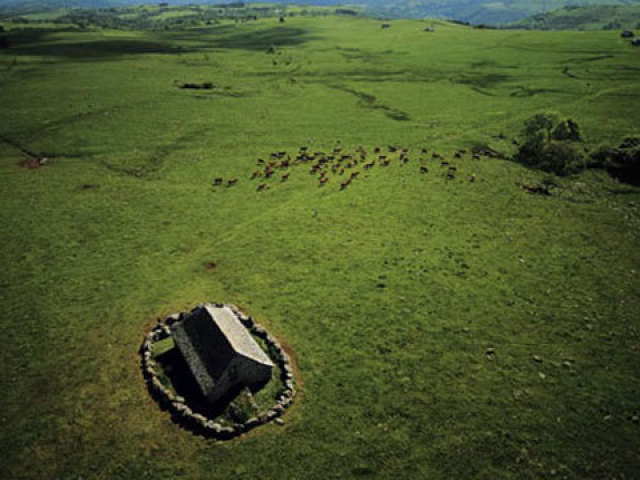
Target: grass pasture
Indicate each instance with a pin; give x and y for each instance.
(389, 293)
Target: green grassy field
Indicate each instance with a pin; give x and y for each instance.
(390, 293)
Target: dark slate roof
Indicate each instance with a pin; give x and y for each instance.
(209, 338)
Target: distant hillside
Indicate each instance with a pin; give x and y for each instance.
(598, 17)
(473, 11)
(481, 11)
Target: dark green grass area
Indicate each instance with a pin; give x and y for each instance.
(388, 293)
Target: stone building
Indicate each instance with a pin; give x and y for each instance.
(221, 354)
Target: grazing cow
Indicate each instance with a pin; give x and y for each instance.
(304, 148)
(424, 169)
(231, 182)
(376, 150)
(404, 160)
(355, 174)
(255, 174)
(423, 151)
(260, 161)
(341, 172)
(444, 163)
(262, 186)
(473, 177)
(268, 174)
(323, 181)
(385, 163)
(452, 168)
(476, 156)
(345, 184)
(367, 166)
(450, 176)
(457, 155)
(436, 155)
(217, 181)
(285, 177)
(393, 149)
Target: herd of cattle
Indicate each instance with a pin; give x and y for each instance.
(344, 167)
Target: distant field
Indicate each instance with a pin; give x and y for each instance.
(443, 328)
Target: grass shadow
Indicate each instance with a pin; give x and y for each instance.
(263, 39)
(40, 43)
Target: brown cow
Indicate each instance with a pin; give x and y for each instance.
(285, 177)
(323, 181)
(231, 182)
(262, 186)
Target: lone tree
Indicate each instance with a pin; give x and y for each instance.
(549, 143)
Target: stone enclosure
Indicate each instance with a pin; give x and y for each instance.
(179, 407)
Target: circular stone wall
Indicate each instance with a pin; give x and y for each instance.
(179, 407)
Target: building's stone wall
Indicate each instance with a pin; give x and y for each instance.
(196, 422)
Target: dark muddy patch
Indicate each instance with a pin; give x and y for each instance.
(481, 81)
(594, 58)
(482, 91)
(369, 101)
(524, 92)
(567, 73)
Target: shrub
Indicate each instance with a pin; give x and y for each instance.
(622, 162)
(549, 143)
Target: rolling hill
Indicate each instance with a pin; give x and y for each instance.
(473, 11)
(597, 17)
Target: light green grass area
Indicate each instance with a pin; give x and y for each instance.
(388, 293)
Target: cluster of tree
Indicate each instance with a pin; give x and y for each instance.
(554, 144)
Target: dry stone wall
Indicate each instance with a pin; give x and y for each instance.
(178, 406)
